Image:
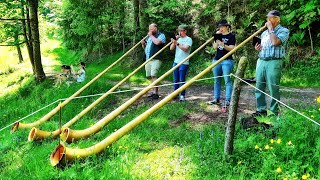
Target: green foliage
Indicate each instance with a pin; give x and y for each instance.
(105, 27)
(101, 30)
(301, 74)
(11, 31)
(111, 26)
(298, 38)
(305, 12)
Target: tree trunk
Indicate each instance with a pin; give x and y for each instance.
(16, 39)
(312, 49)
(19, 54)
(121, 25)
(136, 20)
(39, 73)
(144, 18)
(228, 4)
(228, 146)
(27, 34)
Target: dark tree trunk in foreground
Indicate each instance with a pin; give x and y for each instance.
(232, 117)
(39, 73)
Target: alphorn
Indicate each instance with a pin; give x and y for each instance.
(20, 125)
(40, 134)
(70, 135)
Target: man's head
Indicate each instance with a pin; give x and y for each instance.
(274, 17)
(182, 30)
(153, 28)
(224, 26)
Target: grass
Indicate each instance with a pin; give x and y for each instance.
(167, 145)
(304, 72)
(8, 54)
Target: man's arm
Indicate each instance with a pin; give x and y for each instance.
(155, 40)
(231, 42)
(143, 43)
(183, 47)
(215, 44)
(186, 45)
(173, 45)
(226, 47)
(229, 47)
(273, 37)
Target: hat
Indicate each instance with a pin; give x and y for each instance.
(224, 23)
(182, 27)
(273, 13)
(65, 67)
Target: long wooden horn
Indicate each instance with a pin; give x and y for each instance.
(40, 134)
(61, 152)
(20, 125)
(70, 135)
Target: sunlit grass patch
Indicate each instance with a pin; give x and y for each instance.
(8, 58)
(13, 163)
(139, 79)
(11, 82)
(15, 75)
(167, 163)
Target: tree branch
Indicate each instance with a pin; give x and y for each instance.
(13, 44)
(11, 19)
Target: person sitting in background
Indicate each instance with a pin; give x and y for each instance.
(66, 70)
(81, 74)
(64, 76)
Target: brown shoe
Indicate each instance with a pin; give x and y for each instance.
(259, 113)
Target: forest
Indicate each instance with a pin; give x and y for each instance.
(177, 140)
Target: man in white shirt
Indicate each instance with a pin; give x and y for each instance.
(182, 44)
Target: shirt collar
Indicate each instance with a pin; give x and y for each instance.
(277, 27)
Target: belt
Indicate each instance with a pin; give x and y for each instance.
(270, 58)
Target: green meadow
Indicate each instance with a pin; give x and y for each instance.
(167, 145)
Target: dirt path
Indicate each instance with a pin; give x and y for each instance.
(201, 94)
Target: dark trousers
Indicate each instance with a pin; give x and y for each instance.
(179, 76)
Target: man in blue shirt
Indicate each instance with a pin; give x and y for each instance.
(269, 65)
(152, 45)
